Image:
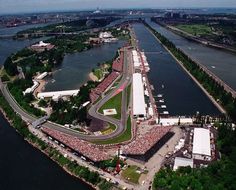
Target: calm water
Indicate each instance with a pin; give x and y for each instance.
(14, 30)
(23, 167)
(221, 63)
(9, 46)
(182, 96)
(75, 67)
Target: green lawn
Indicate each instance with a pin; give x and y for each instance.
(128, 94)
(113, 103)
(195, 29)
(123, 137)
(98, 73)
(130, 174)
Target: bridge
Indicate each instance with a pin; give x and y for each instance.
(40, 121)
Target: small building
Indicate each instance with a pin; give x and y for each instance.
(107, 37)
(41, 76)
(182, 162)
(139, 109)
(57, 94)
(41, 46)
(174, 121)
(31, 89)
(201, 144)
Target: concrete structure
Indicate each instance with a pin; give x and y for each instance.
(174, 121)
(106, 37)
(201, 144)
(31, 89)
(109, 112)
(57, 94)
(138, 58)
(139, 109)
(41, 46)
(182, 162)
(41, 76)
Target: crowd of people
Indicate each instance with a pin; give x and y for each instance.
(146, 141)
(96, 92)
(80, 146)
(117, 64)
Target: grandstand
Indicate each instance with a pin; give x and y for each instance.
(96, 92)
(81, 147)
(146, 145)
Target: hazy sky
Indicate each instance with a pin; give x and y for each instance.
(13, 6)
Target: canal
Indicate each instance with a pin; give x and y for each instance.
(181, 94)
(221, 63)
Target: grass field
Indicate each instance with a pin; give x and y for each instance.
(195, 29)
(123, 137)
(128, 94)
(130, 174)
(113, 103)
(98, 73)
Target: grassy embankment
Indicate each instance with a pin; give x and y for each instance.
(113, 103)
(214, 88)
(128, 94)
(195, 29)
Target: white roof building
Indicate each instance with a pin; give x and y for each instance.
(174, 121)
(182, 162)
(201, 144)
(41, 44)
(41, 76)
(138, 96)
(105, 35)
(31, 89)
(57, 94)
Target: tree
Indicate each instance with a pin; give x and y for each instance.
(10, 67)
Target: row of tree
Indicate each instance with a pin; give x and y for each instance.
(209, 83)
(220, 174)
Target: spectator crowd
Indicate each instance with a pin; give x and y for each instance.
(146, 141)
(80, 146)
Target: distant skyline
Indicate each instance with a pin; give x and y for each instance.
(30, 6)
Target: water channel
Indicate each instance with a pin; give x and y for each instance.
(181, 94)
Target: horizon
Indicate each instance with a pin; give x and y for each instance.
(29, 6)
(115, 9)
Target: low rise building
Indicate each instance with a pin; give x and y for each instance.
(201, 144)
(57, 94)
(182, 162)
(41, 46)
(139, 107)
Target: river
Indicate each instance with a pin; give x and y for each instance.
(75, 67)
(221, 63)
(23, 167)
(181, 94)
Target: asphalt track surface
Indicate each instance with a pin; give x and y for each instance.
(93, 111)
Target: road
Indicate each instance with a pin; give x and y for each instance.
(121, 125)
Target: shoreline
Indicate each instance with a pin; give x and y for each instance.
(218, 106)
(194, 38)
(92, 77)
(44, 152)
